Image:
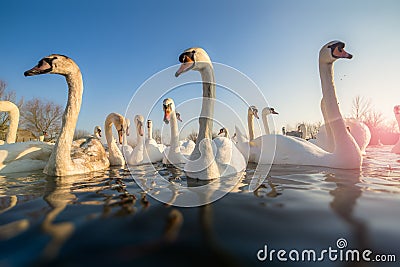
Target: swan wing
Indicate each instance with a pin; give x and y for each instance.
(89, 153)
(24, 156)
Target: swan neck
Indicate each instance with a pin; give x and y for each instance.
(13, 126)
(139, 140)
(265, 122)
(108, 130)
(250, 124)
(174, 130)
(207, 109)
(150, 132)
(62, 151)
(333, 117)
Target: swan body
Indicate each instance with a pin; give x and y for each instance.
(346, 153)
(396, 147)
(357, 129)
(24, 156)
(70, 157)
(21, 157)
(153, 149)
(114, 153)
(204, 162)
(226, 151)
(177, 152)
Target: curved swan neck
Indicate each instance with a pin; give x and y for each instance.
(61, 154)
(13, 127)
(108, 129)
(265, 122)
(13, 115)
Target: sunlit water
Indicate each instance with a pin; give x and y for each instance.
(107, 219)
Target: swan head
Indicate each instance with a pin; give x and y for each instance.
(168, 108)
(267, 111)
(55, 64)
(139, 121)
(97, 131)
(178, 116)
(120, 125)
(224, 131)
(396, 110)
(253, 111)
(194, 58)
(332, 51)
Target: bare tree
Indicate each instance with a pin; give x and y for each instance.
(390, 127)
(374, 119)
(193, 136)
(8, 96)
(79, 133)
(361, 108)
(40, 116)
(312, 129)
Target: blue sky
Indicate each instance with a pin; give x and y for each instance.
(120, 44)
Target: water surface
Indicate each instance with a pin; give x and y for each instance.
(105, 218)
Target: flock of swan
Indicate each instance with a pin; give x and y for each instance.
(340, 143)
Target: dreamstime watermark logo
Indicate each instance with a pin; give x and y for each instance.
(339, 253)
(235, 93)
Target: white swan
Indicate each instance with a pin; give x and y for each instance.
(346, 155)
(153, 149)
(114, 153)
(125, 148)
(396, 147)
(300, 133)
(243, 144)
(204, 162)
(68, 157)
(357, 129)
(187, 144)
(175, 153)
(21, 157)
(224, 132)
(137, 156)
(248, 148)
